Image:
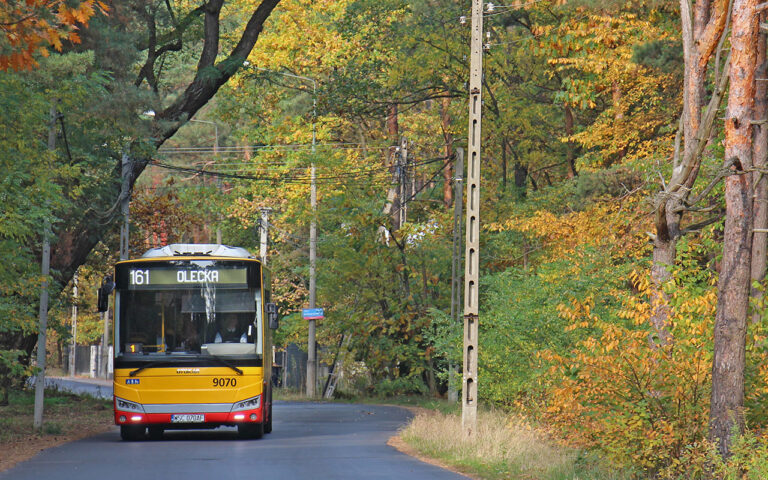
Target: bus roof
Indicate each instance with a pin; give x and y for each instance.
(197, 249)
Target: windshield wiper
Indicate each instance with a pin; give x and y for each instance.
(133, 373)
(226, 364)
(147, 365)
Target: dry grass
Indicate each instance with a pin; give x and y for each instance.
(503, 447)
(65, 418)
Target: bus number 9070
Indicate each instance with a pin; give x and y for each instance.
(224, 382)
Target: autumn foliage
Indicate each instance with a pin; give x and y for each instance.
(30, 27)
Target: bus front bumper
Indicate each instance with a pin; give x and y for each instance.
(189, 415)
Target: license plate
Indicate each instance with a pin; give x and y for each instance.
(188, 418)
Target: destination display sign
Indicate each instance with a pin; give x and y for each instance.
(143, 277)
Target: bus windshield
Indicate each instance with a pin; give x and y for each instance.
(190, 321)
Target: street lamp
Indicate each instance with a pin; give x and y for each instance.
(311, 344)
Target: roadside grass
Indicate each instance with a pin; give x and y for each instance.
(63, 414)
(415, 402)
(504, 447)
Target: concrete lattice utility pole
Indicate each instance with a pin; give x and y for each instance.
(264, 234)
(472, 252)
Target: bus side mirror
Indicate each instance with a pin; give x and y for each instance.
(274, 323)
(102, 304)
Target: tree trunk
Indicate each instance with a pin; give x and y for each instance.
(727, 404)
(759, 180)
(521, 174)
(664, 249)
(701, 32)
(618, 114)
(392, 207)
(393, 127)
(504, 153)
(570, 147)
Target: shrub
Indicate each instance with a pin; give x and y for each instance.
(645, 405)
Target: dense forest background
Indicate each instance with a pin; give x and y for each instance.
(609, 179)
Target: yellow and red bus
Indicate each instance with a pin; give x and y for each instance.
(193, 341)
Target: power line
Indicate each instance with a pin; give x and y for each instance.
(350, 175)
(244, 148)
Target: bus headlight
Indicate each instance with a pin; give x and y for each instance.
(121, 404)
(248, 404)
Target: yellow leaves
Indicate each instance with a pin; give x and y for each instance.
(297, 40)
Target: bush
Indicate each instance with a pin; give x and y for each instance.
(644, 405)
(390, 387)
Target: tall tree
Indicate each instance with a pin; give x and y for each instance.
(727, 404)
(759, 179)
(211, 72)
(85, 223)
(702, 29)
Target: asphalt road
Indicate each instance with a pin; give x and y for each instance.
(95, 387)
(309, 440)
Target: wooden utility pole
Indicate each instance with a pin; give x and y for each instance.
(73, 348)
(46, 270)
(456, 263)
(125, 204)
(125, 208)
(403, 170)
(311, 336)
(472, 252)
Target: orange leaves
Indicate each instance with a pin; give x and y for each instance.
(621, 393)
(29, 26)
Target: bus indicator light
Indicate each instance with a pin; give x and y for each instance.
(136, 418)
(239, 416)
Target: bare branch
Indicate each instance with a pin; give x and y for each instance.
(698, 226)
(678, 138)
(724, 172)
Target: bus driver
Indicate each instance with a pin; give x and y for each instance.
(229, 334)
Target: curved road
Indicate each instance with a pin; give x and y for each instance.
(310, 440)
